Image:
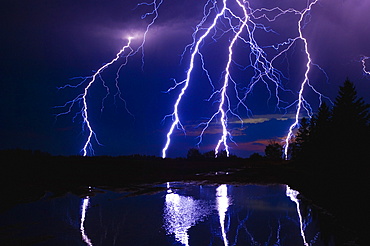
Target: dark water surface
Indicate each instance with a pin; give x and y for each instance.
(177, 214)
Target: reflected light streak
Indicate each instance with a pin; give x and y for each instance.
(181, 213)
(84, 206)
(292, 194)
(223, 204)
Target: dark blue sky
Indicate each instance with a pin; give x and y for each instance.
(46, 43)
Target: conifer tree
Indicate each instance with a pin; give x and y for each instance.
(350, 129)
(320, 122)
(302, 140)
(349, 109)
(274, 151)
(340, 133)
(320, 131)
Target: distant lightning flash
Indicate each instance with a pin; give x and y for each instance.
(364, 69)
(85, 105)
(83, 97)
(126, 52)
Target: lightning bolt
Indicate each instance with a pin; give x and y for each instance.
(87, 148)
(224, 103)
(90, 130)
(364, 69)
(175, 115)
(264, 69)
(221, 109)
(301, 101)
(125, 52)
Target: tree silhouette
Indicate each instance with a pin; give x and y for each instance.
(340, 133)
(349, 109)
(194, 154)
(209, 155)
(274, 151)
(320, 122)
(350, 129)
(301, 139)
(256, 157)
(320, 132)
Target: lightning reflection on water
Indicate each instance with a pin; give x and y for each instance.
(258, 215)
(84, 207)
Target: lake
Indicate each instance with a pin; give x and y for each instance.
(189, 214)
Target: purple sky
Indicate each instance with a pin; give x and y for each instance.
(46, 43)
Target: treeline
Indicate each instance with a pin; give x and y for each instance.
(24, 155)
(334, 134)
(195, 154)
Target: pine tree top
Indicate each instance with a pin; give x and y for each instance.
(349, 107)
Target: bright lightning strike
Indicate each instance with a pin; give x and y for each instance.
(87, 148)
(306, 81)
(85, 105)
(221, 109)
(175, 114)
(264, 70)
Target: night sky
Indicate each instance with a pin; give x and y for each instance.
(46, 44)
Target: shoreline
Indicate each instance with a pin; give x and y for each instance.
(338, 193)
